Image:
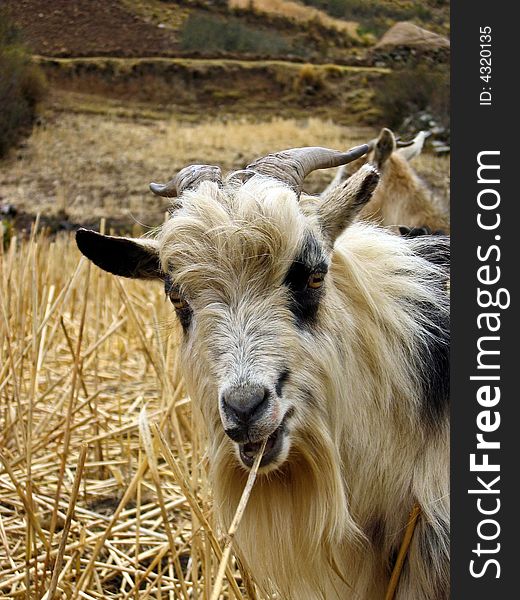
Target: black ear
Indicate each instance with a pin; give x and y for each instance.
(384, 147)
(136, 258)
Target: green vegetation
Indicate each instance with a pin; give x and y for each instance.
(22, 86)
(206, 33)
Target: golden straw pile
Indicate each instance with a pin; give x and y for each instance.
(103, 488)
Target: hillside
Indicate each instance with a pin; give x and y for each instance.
(376, 16)
(317, 30)
(131, 28)
(134, 76)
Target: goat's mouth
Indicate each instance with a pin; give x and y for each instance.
(249, 450)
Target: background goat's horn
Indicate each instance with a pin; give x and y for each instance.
(419, 138)
(400, 144)
(186, 178)
(293, 166)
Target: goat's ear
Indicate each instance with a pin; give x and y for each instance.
(127, 257)
(415, 148)
(337, 209)
(384, 147)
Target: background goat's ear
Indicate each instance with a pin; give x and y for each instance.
(341, 205)
(137, 258)
(384, 147)
(415, 148)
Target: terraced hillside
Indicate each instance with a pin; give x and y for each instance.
(318, 30)
(134, 28)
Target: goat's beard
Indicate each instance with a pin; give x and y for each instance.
(297, 514)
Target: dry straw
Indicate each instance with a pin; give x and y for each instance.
(95, 501)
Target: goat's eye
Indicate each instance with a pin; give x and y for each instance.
(179, 303)
(316, 280)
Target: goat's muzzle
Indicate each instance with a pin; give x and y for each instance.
(251, 413)
(242, 407)
(272, 449)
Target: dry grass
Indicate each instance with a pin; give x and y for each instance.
(97, 160)
(99, 165)
(95, 502)
(172, 15)
(295, 11)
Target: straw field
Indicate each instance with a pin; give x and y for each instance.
(103, 489)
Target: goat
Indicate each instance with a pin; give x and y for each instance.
(401, 198)
(327, 336)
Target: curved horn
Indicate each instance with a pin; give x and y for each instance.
(292, 166)
(187, 178)
(422, 135)
(400, 144)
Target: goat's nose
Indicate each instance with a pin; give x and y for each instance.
(245, 402)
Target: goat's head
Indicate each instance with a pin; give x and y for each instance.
(380, 150)
(386, 144)
(245, 265)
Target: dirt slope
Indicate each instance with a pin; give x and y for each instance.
(89, 28)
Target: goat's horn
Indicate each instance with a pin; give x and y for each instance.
(186, 178)
(293, 166)
(421, 136)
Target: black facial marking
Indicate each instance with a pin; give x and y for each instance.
(284, 376)
(183, 314)
(305, 300)
(237, 434)
(434, 359)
